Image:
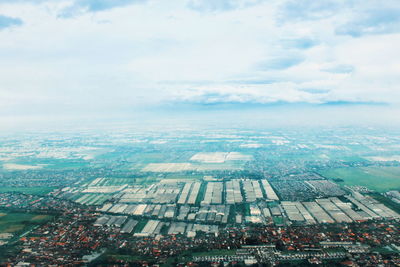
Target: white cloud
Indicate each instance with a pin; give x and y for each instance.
(131, 55)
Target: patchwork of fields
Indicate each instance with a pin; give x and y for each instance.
(13, 222)
(380, 179)
(28, 190)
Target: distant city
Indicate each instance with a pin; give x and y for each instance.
(276, 197)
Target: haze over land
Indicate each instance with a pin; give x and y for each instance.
(199, 133)
(86, 63)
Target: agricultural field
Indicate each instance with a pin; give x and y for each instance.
(15, 222)
(182, 177)
(215, 252)
(28, 190)
(116, 255)
(182, 167)
(226, 166)
(32, 163)
(20, 167)
(380, 179)
(168, 167)
(220, 157)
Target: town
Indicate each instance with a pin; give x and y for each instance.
(235, 200)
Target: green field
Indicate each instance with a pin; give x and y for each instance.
(178, 176)
(118, 255)
(50, 163)
(215, 252)
(381, 179)
(278, 220)
(139, 227)
(28, 190)
(15, 222)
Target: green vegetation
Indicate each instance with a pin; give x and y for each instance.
(51, 163)
(139, 227)
(226, 166)
(118, 255)
(381, 179)
(232, 214)
(215, 252)
(140, 160)
(28, 190)
(387, 250)
(179, 176)
(200, 195)
(272, 204)
(146, 180)
(15, 222)
(128, 258)
(146, 158)
(277, 220)
(246, 209)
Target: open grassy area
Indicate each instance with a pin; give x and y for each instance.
(17, 223)
(139, 227)
(381, 179)
(179, 176)
(43, 163)
(215, 252)
(200, 195)
(128, 258)
(28, 190)
(116, 256)
(277, 220)
(14, 222)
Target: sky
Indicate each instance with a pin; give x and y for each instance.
(284, 60)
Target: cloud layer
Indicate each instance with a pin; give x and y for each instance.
(93, 56)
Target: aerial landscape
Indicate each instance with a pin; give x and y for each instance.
(179, 197)
(199, 133)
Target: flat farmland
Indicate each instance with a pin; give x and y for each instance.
(13, 222)
(186, 177)
(32, 163)
(220, 157)
(182, 167)
(213, 157)
(37, 190)
(21, 167)
(168, 167)
(380, 179)
(171, 156)
(226, 166)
